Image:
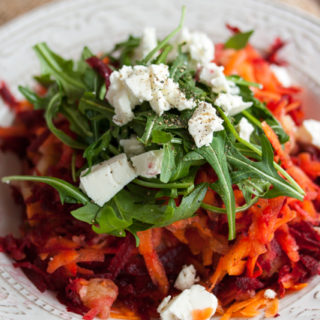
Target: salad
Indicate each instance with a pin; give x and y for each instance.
(174, 179)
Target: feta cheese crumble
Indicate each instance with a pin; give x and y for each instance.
(131, 86)
(183, 305)
(120, 98)
(148, 42)
(138, 83)
(131, 146)
(245, 129)
(309, 132)
(186, 278)
(270, 294)
(148, 164)
(231, 104)
(282, 75)
(198, 44)
(213, 76)
(107, 178)
(203, 123)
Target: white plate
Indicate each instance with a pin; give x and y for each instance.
(67, 26)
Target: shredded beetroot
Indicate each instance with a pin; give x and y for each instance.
(98, 65)
(232, 28)
(272, 55)
(120, 259)
(7, 96)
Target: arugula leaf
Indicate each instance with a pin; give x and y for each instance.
(250, 203)
(171, 193)
(258, 152)
(89, 102)
(182, 71)
(261, 170)
(179, 66)
(192, 156)
(165, 41)
(239, 40)
(51, 111)
(159, 185)
(164, 54)
(168, 162)
(110, 221)
(44, 80)
(215, 155)
(78, 123)
(132, 208)
(68, 193)
(185, 162)
(93, 152)
(161, 137)
(37, 101)
(61, 70)
(126, 49)
(86, 213)
(189, 204)
(168, 121)
(260, 111)
(255, 186)
(240, 81)
(156, 215)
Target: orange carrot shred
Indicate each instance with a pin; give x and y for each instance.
(152, 261)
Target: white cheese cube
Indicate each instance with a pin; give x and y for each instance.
(148, 164)
(133, 85)
(270, 294)
(231, 104)
(176, 97)
(233, 88)
(138, 83)
(245, 129)
(186, 278)
(159, 75)
(182, 306)
(203, 123)
(201, 47)
(198, 44)
(213, 76)
(107, 178)
(148, 42)
(120, 98)
(132, 146)
(309, 132)
(282, 75)
(159, 103)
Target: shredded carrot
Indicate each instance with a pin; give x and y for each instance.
(246, 71)
(274, 140)
(232, 263)
(288, 243)
(298, 286)
(266, 95)
(153, 263)
(61, 259)
(272, 308)
(293, 106)
(235, 61)
(250, 307)
(123, 313)
(7, 132)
